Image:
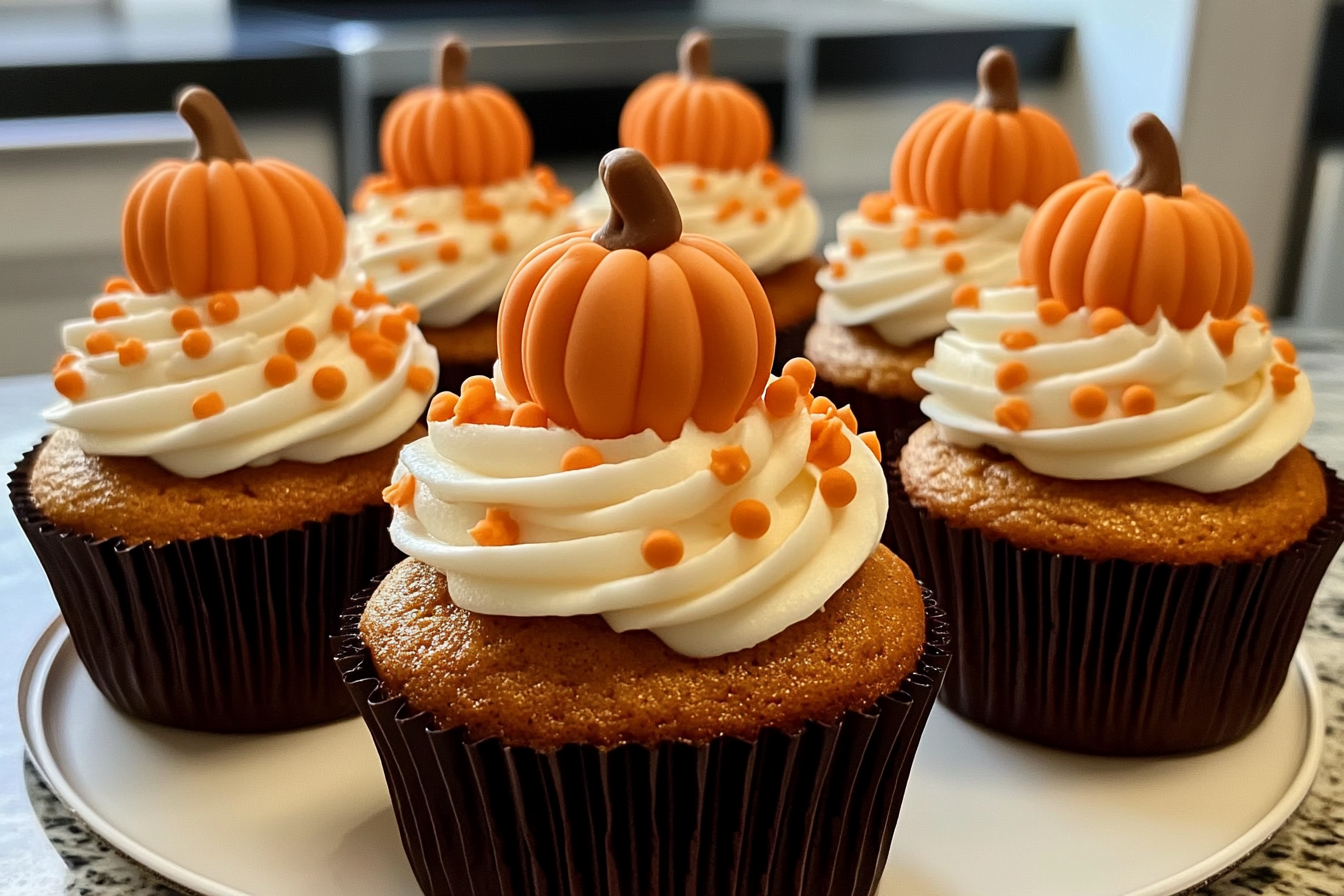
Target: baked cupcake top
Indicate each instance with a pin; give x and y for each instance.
(964, 181)
(1134, 354)
(237, 338)
(632, 456)
(710, 140)
(459, 203)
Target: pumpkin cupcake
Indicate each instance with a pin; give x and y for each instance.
(965, 179)
(644, 581)
(1112, 491)
(229, 416)
(457, 206)
(710, 139)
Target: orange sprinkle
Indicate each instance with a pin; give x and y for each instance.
(528, 414)
(421, 379)
(1020, 281)
(769, 175)
(381, 239)
(1136, 401)
(222, 307)
(366, 297)
(425, 228)
(729, 464)
(1105, 319)
(580, 457)
(1010, 375)
(106, 309)
(441, 407)
(699, 184)
(399, 213)
(954, 262)
(877, 207)
(1257, 314)
(1284, 378)
(790, 193)
(65, 361)
(856, 248)
(1014, 414)
(207, 405)
(662, 549)
(280, 370)
(131, 352)
(838, 269)
(540, 207)
(69, 383)
(967, 295)
(781, 396)
(1224, 334)
(392, 327)
(944, 235)
(749, 518)
(299, 343)
(482, 211)
(409, 312)
(874, 445)
(728, 209)
(342, 319)
(821, 405)
(479, 404)
(846, 416)
(831, 448)
(499, 241)
(329, 383)
(1051, 311)
(406, 265)
(381, 360)
(925, 214)
(100, 342)
(911, 238)
(185, 319)
(545, 176)
(1016, 340)
(1287, 351)
(837, 487)
(449, 252)
(1088, 402)
(118, 284)
(759, 215)
(196, 343)
(383, 185)
(801, 371)
(497, 530)
(401, 492)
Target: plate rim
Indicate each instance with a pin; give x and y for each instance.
(56, 637)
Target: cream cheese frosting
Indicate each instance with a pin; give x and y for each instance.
(451, 250)
(1209, 408)
(250, 377)
(898, 275)
(579, 532)
(761, 214)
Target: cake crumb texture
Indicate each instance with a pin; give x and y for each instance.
(793, 291)
(858, 358)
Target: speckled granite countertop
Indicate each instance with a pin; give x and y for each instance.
(1306, 857)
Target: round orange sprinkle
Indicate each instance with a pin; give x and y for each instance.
(365, 297)
(381, 360)
(100, 342)
(821, 405)
(1088, 402)
(911, 238)
(425, 228)
(482, 211)
(781, 396)
(409, 312)
(874, 444)
(699, 184)
(837, 487)
(477, 401)
(406, 265)
(70, 384)
(222, 307)
(728, 209)
(540, 207)
(421, 379)
(280, 370)
(846, 416)
(967, 295)
(1284, 378)
(329, 383)
(1224, 334)
(1257, 314)
(1051, 311)
(801, 371)
(925, 214)
(662, 549)
(580, 457)
(528, 414)
(1136, 401)
(449, 252)
(65, 361)
(401, 492)
(364, 341)
(1014, 414)
(1287, 351)
(831, 447)
(944, 235)
(381, 239)
(106, 309)
(1010, 375)
(207, 405)
(118, 284)
(790, 193)
(398, 213)
(1104, 320)
(749, 518)
(185, 319)
(1016, 340)
(954, 262)
(729, 464)
(131, 352)
(837, 269)
(441, 407)
(196, 343)
(759, 215)
(392, 327)
(299, 343)
(497, 530)
(856, 248)
(769, 175)
(877, 207)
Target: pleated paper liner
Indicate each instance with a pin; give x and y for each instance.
(213, 634)
(893, 419)
(1114, 657)
(809, 814)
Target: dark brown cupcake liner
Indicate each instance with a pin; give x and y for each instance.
(789, 343)
(1114, 657)
(893, 419)
(212, 634)
(451, 376)
(807, 813)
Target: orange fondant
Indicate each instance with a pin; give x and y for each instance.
(1010, 375)
(856, 248)
(1017, 340)
(874, 444)
(728, 209)
(342, 319)
(392, 327)
(729, 464)
(222, 307)
(100, 342)
(407, 265)
(280, 370)
(131, 352)
(662, 549)
(749, 518)
(1051, 311)
(528, 414)
(580, 457)
(802, 371)
(1287, 351)
(185, 319)
(207, 405)
(877, 207)
(781, 396)
(837, 487)
(401, 492)
(329, 383)
(421, 378)
(967, 295)
(1014, 414)
(196, 343)
(1284, 377)
(1088, 402)
(1224, 334)
(117, 284)
(1105, 319)
(954, 262)
(497, 530)
(69, 383)
(831, 447)
(106, 309)
(442, 407)
(499, 241)
(944, 235)
(1137, 400)
(449, 252)
(911, 238)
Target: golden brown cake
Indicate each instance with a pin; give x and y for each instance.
(857, 358)
(793, 292)
(472, 342)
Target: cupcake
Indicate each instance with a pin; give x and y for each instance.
(710, 139)
(457, 207)
(229, 414)
(646, 626)
(1111, 495)
(964, 182)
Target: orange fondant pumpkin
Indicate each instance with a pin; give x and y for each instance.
(1142, 244)
(982, 156)
(637, 326)
(223, 222)
(694, 118)
(454, 134)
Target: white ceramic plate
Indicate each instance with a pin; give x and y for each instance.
(307, 812)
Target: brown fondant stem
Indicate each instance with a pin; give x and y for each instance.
(643, 215)
(693, 54)
(997, 74)
(453, 57)
(216, 135)
(1159, 167)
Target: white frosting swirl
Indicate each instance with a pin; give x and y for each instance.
(145, 409)
(893, 277)
(751, 211)
(579, 547)
(1219, 422)
(397, 239)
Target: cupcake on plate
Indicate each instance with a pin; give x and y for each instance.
(1111, 494)
(965, 179)
(458, 205)
(228, 418)
(646, 626)
(710, 139)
